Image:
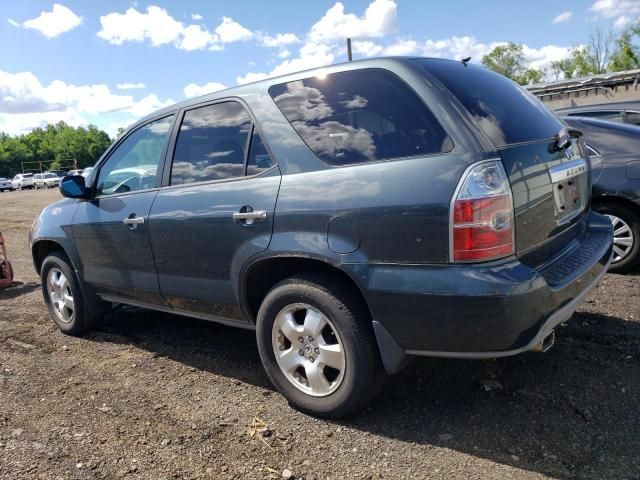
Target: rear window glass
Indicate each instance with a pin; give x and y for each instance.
(505, 112)
(360, 116)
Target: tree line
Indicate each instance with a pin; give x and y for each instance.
(604, 52)
(57, 143)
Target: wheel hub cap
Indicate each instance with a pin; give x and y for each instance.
(60, 295)
(622, 238)
(308, 350)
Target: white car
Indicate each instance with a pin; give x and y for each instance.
(23, 180)
(74, 172)
(46, 180)
(5, 184)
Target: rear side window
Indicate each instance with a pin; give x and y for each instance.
(360, 116)
(211, 143)
(505, 112)
(609, 115)
(633, 118)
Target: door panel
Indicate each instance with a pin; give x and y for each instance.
(116, 258)
(111, 231)
(198, 246)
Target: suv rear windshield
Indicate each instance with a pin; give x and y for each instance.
(505, 112)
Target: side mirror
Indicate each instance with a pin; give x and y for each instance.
(74, 187)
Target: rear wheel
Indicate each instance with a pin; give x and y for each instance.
(317, 346)
(626, 236)
(63, 296)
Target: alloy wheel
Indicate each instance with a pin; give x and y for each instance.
(623, 238)
(60, 295)
(308, 349)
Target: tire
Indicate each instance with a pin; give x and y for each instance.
(628, 227)
(78, 319)
(348, 326)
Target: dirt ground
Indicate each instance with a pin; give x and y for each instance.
(156, 396)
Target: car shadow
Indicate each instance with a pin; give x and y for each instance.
(17, 289)
(569, 413)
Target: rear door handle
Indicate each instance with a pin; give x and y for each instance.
(133, 221)
(247, 218)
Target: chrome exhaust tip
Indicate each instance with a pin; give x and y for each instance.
(545, 344)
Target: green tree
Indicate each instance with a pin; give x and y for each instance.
(58, 143)
(626, 55)
(509, 60)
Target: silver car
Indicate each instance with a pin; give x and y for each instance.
(5, 184)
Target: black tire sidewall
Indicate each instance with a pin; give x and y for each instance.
(348, 396)
(79, 322)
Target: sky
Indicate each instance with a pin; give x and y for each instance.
(110, 63)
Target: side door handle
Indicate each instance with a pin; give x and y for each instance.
(249, 216)
(133, 221)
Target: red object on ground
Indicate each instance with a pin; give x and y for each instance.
(6, 271)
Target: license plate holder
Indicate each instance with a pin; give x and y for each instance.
(569, 182)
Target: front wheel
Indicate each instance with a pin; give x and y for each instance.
(626, 236)
(63, 296)
(317, 346)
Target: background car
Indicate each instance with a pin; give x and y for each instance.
(45, 180)
(620, 112)
(75, 172)
(5, 184)
(23, 180)
(614, 149)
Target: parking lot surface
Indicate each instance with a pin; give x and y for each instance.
(156, 396)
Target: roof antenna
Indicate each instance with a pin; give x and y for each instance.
(465, 61)
(349, 56)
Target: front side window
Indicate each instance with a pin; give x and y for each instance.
(133, 165)
(360, 116)
(211, 144)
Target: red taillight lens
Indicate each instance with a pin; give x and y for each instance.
(482, 217)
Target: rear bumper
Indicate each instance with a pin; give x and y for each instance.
(484, 310)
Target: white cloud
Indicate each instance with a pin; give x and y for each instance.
(158, 27)
(130, 86)
(624, 11)
(231, 31)
(194, 37)
(380, 18)
(278, 40)
(26, 103)
(366, 48)
(51, 24)
(284, 53)
(541, 58)
(457, 48)
(402, 47)
(155, 25)
(13, 22)
(251, 77)
(195, 90)
(563, 17)
(622, 21)
(311, 55)
(196, 16)
(615, 8)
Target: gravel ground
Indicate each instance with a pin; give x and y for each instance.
(157, 396)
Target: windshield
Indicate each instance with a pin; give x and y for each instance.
(50, 175)
(503, 110)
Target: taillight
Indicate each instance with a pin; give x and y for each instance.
(482, 215)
